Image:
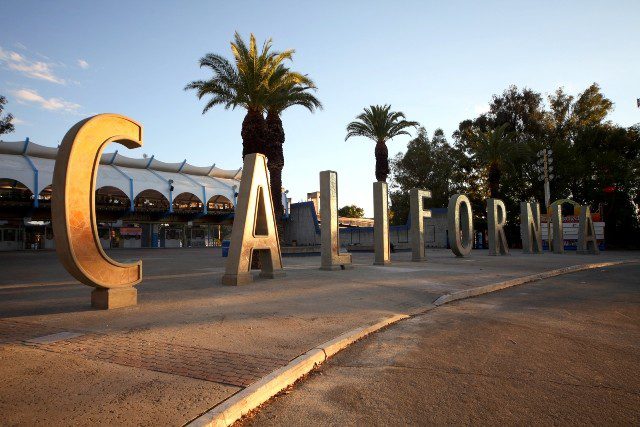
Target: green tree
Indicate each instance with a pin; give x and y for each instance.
(244, 83)
(351, 211)
(522, 114)
(493, 150)
(430, 164)
(596, 162)
(380, 124)
(5, 122)
(286, 90)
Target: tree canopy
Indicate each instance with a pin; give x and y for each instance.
(380, 124)
(6, 125)
(351, 211)
(596, 162)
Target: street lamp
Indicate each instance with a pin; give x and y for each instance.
(544, 167)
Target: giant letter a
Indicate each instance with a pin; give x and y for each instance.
(254, 226)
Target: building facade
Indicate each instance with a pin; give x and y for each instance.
(141, 202)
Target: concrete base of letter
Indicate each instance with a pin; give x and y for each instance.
(586, 252)
(272, 274)
(336, 267)
(237, 279)
(108, 298)
(387, 262)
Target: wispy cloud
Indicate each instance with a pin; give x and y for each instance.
(20, 46)
(30, 96)
(34, 69)
(17, 121)
(83, 64)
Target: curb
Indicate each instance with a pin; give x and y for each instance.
(249, 398)
(259, 392)
(473, 292)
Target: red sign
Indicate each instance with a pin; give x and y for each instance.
(131, 231)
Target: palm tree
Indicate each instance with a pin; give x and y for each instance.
(244, 83)
(380, 124)
(287, 89)
(493, 149)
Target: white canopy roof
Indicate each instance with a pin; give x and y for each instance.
(33, 164)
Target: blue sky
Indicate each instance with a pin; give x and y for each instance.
(439, 62)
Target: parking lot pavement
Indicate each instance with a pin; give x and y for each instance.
(564, 351)
(186, 318)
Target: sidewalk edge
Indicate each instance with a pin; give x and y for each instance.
(241, 403)
(480, 290)
(251, 397)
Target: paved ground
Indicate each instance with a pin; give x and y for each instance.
(561, 351)
(191, 342)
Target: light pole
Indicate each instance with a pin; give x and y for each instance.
(545, 169)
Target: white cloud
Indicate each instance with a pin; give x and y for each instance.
(26, 96)
(83, 64)
(481, 108)
(20, 46)
(17, 121)
(35, 69)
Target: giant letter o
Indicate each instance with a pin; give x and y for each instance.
(460, 225)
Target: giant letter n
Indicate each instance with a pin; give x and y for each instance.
(254, 226)
(530, 228)
(73, 212)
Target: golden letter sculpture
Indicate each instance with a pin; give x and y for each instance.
(254, 226)
(73, 209)
(330, 256)
(530, 228)
(587, 241)
(557, 231)
(418, 212)
(381, 224)
(460, 225)
(496, 220)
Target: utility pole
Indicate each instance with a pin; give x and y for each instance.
(545, 168)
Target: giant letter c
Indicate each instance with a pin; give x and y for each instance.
(73, 209)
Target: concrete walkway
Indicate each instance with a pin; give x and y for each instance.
(191, 343)
(563, 351)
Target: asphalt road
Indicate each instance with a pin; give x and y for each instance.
(561, 351)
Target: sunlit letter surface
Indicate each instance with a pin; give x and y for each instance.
(418, 213)
(557, 231)
(254, 226)
(460, 225)
(73, 209)
(381, 223)
(587, 242)
(530, 228)
(331, 259)
(496, 219)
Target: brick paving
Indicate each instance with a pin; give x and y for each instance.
(194, 362)
(16, 331)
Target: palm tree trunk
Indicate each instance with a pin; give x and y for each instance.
(382, 161)
(494, 181)
(275, 154)
(253, 141)
(253, 130)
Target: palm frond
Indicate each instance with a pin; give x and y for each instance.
(379, 123)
